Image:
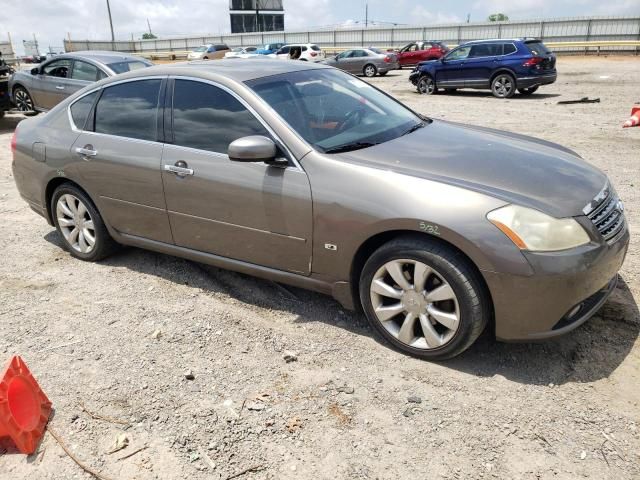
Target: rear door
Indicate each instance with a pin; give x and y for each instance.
(251, 212)
(480, 63)
(120, 152)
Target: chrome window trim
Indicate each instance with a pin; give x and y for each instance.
(247, 106)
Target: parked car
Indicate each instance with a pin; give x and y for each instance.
(208, 52)
(304, 174)
(307, 52)
(364, 61)
(270, 48)
(241, 52)
(417, 52)
(46, 85)
(502, 66)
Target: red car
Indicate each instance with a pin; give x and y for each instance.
(417, 52)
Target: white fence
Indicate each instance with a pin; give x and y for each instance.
(582, 29)
(7, 52)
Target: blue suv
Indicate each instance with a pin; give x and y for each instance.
(502, 66)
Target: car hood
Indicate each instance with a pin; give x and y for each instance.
(514, 168)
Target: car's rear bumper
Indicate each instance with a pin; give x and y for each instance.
(537, 80)
(566, 289)
(387, 67)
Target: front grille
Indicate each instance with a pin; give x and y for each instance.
(606, 213)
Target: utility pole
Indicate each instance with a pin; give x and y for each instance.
(468, 17)
(257, 15)
(149, 25)
(113, 38)
(366, 15)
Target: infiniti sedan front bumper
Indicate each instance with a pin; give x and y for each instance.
(566, 289)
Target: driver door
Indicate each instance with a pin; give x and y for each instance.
(248, 211)
(453, 71)
(50, 84)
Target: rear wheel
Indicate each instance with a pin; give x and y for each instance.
(23, 100)
(370, 70)
(426, 85)
(527, 91)
(424, 297)
(80, 225)
(503, 86)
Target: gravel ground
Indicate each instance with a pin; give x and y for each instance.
(189, 361)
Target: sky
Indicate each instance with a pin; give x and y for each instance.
(52, 20)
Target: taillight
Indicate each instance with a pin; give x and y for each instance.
(314, 54)
(14, 142)
(387, 59)
(533, 61)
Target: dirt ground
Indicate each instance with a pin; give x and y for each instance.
(118, 339)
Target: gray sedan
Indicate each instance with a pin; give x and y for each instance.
(303, 174)
(47, 84)
(365, 61)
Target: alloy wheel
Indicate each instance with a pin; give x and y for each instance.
(23, 100)
(415, 304)
(426, 85)
(75, 223)
(370, 71)
(503, 86)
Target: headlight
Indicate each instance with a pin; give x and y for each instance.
(530, 229)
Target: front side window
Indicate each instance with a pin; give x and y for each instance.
(80, 110)
(459, 53)
(84, 71)
(208, 118)
(58, 68)
(129, 110)
(333, 111)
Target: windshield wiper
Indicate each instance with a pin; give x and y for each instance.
(414, 128)
(349, 147)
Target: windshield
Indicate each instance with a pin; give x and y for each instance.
(375, 50)
(200, 49)
(334, 111)
(121, 67)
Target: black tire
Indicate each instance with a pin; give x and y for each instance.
(23, 99)
(528, 91)
(1, 114)
(369, 70)
(426, 85)
(382, 74)
(473, 300)
(508, 83)
(104, 245)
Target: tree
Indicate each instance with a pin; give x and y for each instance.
(148, 36)
(498, 17)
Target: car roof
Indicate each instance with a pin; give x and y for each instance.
(104, 57)
(236, 69)
(493, 40)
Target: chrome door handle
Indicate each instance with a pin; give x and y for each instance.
(87, 151)
(179, 171)
(60, 87)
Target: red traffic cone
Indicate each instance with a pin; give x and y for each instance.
(24, 408)
(634, 121)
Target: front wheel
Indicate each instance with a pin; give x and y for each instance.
(424, 298)
(503, 86)
(426, 85)
(527, 91)
(23, 100)
(80, 225)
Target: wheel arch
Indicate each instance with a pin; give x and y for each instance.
(371, 244)
(51, 187)
(500, 70)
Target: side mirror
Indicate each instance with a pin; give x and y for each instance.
(35, 71)
(254, 148)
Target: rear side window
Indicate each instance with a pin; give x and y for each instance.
(486, 50)
(220, 47)
(84, 71)
(208, 118)
(315, 48)
(121, 67)
(129, 110)
(537, 48)
(509, 48)
(80, 110)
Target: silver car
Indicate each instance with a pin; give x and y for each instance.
(46, 85)
(303, 174)
(365, 61)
